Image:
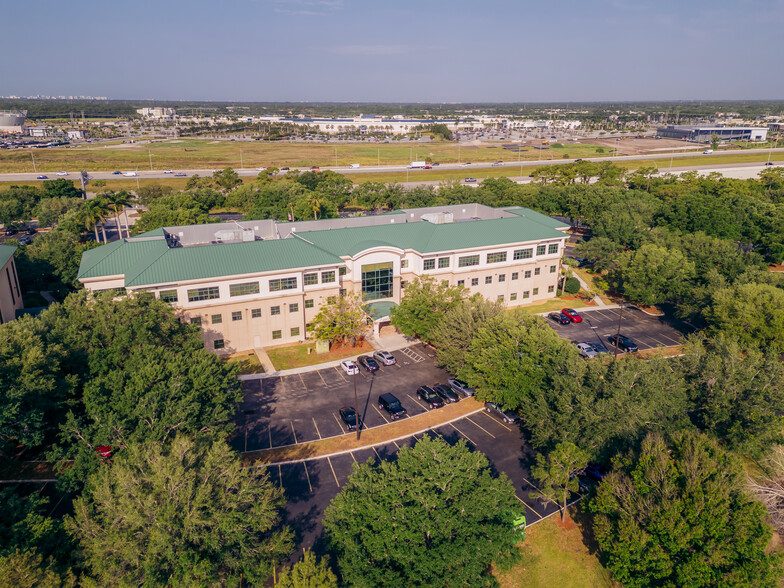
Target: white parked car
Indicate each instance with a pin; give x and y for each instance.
(261, 168)
(586, 350)
(349, 367)
(385, 357)
(62, 173)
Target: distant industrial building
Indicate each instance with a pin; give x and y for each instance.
(12, 121)
(703, 134)
(158, 113)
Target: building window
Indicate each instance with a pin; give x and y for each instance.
(537, 271)
(200, 294)
(540, 249)
(168, 296)
(309, 303)
(536, 291)
(216, 319)
(502, 277)
(277, 334)
(552, 269)
(310, 279)
(523, 253)
(474, 281)
(468, 261)
(294, 307)
(219, 344)
(284, 284)
(377, 281)
(403, 263)
(515, 275)
(255, 313)
(513, 296)
(496, 257)
(429, 264)
(327, 277)
(461, 282)
(274, 310)
(550, 289)
(526, 294)
(488, 279)
(295, 331)
(552, 248)
(196, 321)
(443, 262)
(342, 271)
(500, 298)
(527, 273)
(244, 289)
(236, 315)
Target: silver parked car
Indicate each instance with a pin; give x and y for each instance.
(586, 350)
(508, 416)
(384, 357)
(461, 387)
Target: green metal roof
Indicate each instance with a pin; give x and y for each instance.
(536, 216)
(426, 237)
(6, 253)
(378, 310)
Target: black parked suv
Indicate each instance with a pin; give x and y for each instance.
(429, 397)
(446, 393)
(349, 416)
(623, 343)
(391, 404)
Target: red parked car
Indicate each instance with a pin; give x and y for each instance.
(105, 451)
(572, 315)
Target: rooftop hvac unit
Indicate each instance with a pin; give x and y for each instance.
(439, 218)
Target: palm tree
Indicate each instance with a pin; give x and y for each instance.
(315, 204)
(93, 214)
(118, 201)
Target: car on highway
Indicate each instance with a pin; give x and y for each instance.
(436, 164)
(429, 397)
(284, 169)
(461, 386)
(446, 393)
(598, 347)
(349, 416)
(572, 315)
(497, 164)
(117, 173)
(508, 416)
(349, 367)
(384, 357)
(470, 180)
(168, 171)
(262, 168)
(315, 168)
(586, 350)
(180, 175)
(769, 163)
(559, 318)
(43, 177)
(428, 167)
(368, 363)
(391, 404)
(465, 164)
(62, 173)
(623, 343)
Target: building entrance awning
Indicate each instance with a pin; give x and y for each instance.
(379, 310)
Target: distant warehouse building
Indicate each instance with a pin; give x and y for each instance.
(700, 134)
(257, 283)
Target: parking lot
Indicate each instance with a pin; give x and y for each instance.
(310, 486)
(285, 410)
(647, 331)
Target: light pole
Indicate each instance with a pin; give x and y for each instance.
(36, 171)
(356, 405)
(618, 334)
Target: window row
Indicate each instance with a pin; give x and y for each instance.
(515, 275)
(221, 343)
(236, 315)
(328, 277)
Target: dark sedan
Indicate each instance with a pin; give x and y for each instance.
(446, 393)
(350, 417)
(623, 343)
(559, 318)
(429, 397)
(368, 363)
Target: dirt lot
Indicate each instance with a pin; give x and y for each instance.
(632, 146)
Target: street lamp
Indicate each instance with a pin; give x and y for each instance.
(618, 334)
(356, 405)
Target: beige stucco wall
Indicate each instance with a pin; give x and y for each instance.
(10, 292)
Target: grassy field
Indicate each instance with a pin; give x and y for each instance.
(248, 362)
(300, 354)
(556, 556)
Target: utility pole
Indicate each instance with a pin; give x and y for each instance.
(149, 153)
(356, 404)
(36, 171)
(618, 334)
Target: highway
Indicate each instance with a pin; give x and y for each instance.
(524, 166)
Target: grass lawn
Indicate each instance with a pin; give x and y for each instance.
(297, 355)
(590, 279)
(556, 556)
(557, 304)
(248, 363)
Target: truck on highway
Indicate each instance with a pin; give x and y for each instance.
(354, 166)
(130, 174)
(417, 165)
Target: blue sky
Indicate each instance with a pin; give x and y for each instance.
(395, 50)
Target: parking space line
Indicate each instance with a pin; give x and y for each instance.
(307, 475)
(303, 383)
(527, 505)
(333, 472)
(280, 476)
(269, 430)
(322, 378)
(294, 432)
(339, 423)
(376, 452)
(340, 374)
(480, 426)
(381, 415)
(417, 401)
(674, 341)
(496, 421)
(315, 425)
(463, 434)
(352, 457)
(396, 445)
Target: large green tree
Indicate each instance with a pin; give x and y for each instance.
(677, 514)
(750, 313)
(309, 572)
(557, 474)
(340, 320)
(652, 274)
(425, 302)
(436, 516)
(185, 513)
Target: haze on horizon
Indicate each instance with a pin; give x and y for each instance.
(404, 51)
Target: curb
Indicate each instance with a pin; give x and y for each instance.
(376, 444)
